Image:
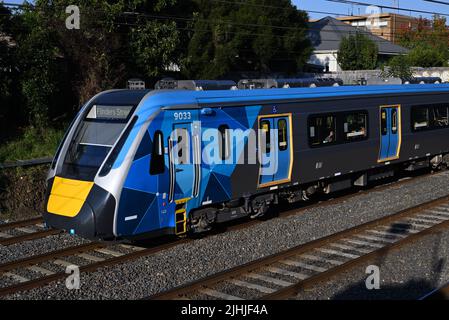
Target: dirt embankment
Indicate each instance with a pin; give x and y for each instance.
(22, 192)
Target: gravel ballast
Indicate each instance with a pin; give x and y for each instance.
(38, 246)
(203, 257)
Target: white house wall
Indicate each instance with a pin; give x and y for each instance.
(326, 58)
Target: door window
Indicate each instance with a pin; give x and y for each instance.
(183, 146)
(394, 121)
(383, 122)
(282, 134)
(266, 135)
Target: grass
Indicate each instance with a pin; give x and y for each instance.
(31, 144)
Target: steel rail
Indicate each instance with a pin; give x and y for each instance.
(36, 283)
(22, 223)
(33, 260)
(29, 236)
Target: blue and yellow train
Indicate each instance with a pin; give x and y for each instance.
(140, 163)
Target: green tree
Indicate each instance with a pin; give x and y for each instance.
(428, 43)
(37, 55)
(232, 36)
(8, 72)
(426, 57)
(160, 36)
(154, 60)
(398, 67)
(357, 52)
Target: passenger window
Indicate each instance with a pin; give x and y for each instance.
(225, 142)
(420, 118)
(265, 126)
(282, 134)
(355, 126)
(383, 122)
(440, 116)
(322, 130)
(157, 165)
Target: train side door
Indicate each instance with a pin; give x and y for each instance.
(184, 151)
(266, 154)
(276, 149)
(390, 133)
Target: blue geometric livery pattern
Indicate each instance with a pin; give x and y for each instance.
(141, 198)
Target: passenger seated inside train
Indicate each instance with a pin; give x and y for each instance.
(329, 138)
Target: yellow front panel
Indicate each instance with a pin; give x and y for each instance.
(68, 196)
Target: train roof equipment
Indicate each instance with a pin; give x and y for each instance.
(289, 83)
(136, 84)
(197, 85)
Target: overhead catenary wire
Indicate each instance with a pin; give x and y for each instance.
(438, 2)
(232, 23)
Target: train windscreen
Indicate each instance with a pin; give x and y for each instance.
(94, 138)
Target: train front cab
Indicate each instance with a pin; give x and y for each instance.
(74, 202)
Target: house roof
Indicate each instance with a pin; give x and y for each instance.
(327, 33)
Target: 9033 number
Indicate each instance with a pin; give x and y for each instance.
(182, 116)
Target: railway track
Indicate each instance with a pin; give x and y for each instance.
(20, 231)
(40, 270)
(51, 266)
(283, 275)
